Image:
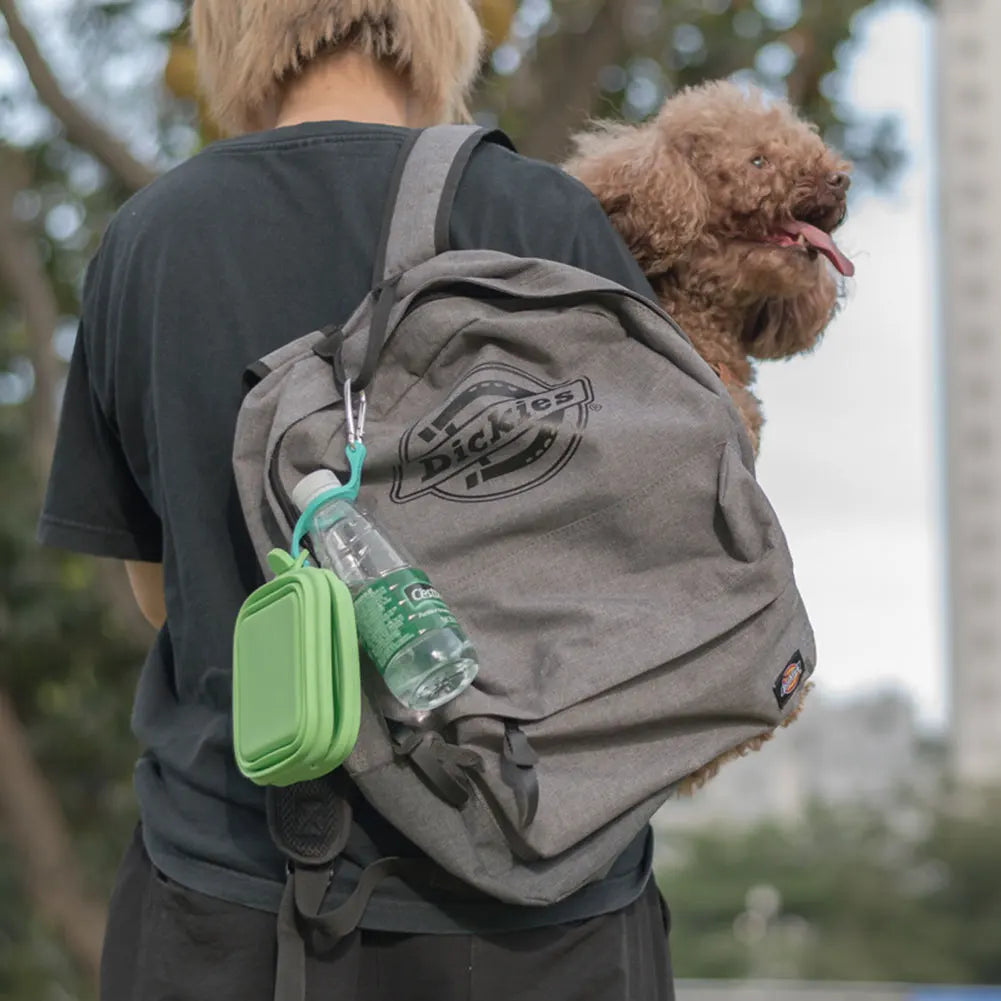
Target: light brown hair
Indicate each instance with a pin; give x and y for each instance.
(247, 49)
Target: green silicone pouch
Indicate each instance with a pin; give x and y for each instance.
(296, 682)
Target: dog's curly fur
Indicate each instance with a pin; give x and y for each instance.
(699, 194)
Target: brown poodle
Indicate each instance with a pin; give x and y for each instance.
(727, 203)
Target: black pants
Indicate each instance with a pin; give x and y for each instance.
(168, 943)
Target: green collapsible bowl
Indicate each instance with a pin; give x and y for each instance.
(296, 686)
(332, 684)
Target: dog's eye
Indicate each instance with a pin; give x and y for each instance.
(758, 161)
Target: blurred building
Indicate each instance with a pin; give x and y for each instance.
(969, 127)
(869, 750)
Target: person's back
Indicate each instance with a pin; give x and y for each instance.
(250, 244)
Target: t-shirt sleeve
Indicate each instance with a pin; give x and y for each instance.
(93, 504)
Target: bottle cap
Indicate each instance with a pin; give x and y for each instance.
(310, 487)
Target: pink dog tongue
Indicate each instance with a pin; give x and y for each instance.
(822, 241)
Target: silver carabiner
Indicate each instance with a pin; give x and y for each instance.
(356, 430)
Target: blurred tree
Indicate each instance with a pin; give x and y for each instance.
(181, 77)
(96, 98)
(567, 60)
(497, 16)
(845, 895)
(67, 669)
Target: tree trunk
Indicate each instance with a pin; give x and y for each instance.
(81, 129)
(21, 271)
(34, 823)
(561, 80)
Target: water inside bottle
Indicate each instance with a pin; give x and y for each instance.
(431, 671)
(353, 548)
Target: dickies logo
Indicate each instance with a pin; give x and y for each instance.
(500, 432)
(789, 680)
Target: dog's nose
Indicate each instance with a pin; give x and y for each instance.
(839, 181)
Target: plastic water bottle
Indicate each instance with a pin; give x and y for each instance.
(406, 629)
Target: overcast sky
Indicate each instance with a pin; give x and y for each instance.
(850, 454)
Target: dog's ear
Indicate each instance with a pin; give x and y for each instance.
(648, 188)
(785, 327)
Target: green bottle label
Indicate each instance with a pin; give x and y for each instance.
(394, 610)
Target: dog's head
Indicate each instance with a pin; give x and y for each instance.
(733, 201)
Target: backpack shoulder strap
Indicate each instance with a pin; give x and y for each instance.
(421, 195)
(415, 226)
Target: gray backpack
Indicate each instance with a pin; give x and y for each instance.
(575, 480)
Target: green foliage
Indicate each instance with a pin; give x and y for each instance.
(70, 672)
(801, 49)
(963, 858)
(845, 895)
(33, 965)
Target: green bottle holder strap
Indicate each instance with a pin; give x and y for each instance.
(349, 491)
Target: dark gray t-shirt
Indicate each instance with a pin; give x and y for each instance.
(246, 246)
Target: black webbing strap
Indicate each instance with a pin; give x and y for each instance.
(253, 374)
(385, 299)
(443, 766)
(328, 348)
(443, 220)
(415, 225)
(518, 761)
(290, 968)
(300, 920)
(310, 823)
(390, 207)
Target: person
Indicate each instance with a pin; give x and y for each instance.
(255, 240)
